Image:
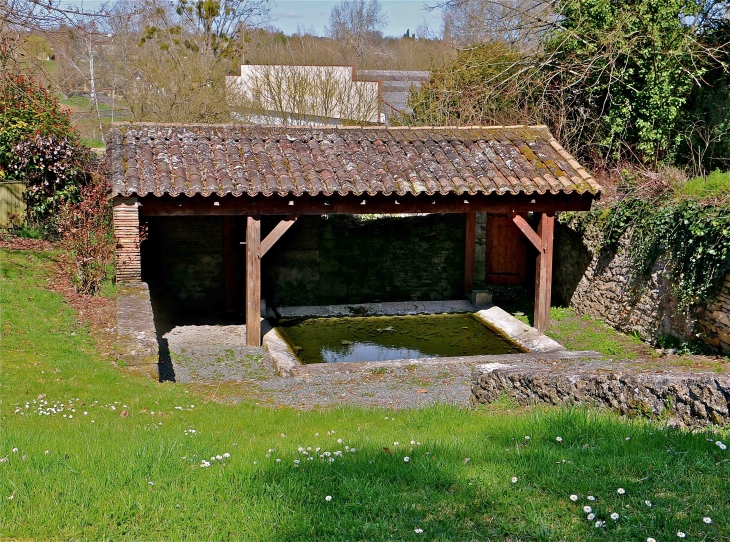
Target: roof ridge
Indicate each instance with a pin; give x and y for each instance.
(324, 126)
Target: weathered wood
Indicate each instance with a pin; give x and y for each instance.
(544, 272)
(253, 281)
(318, 205)
(505, 251)
(528, 231)
(470, 252)
(275, 235)
(229, 262)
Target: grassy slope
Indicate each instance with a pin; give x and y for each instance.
(105, 475)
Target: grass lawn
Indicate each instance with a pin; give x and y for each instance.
(89, 451)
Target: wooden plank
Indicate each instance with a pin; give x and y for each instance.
(505, 251)
(229, 262)
(253, 281)
(470, 252)
(544, 272)
(12, 204)
(321, 205)
(275, 235)
(528, 231)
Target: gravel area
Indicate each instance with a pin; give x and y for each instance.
(216, 354)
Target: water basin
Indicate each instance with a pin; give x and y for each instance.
(382, 338)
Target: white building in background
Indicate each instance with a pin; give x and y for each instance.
(319, 95)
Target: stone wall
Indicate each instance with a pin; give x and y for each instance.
(320, 260)
(342, 259)
(601, 284)
(682, 399)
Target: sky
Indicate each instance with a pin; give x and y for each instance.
(402, 15)
(289, 15)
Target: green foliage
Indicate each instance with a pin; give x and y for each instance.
(39, 146)
(626, 69)
(480, 86)
(693, 235)
(715, 186)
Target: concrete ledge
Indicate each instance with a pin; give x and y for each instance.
(682, 399)
(506, 360)
(398, 308)
(282, 355)
(527, 337)
(137, 338)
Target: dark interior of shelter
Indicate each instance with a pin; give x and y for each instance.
(195, 265)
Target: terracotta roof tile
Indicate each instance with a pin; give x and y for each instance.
(225, 159)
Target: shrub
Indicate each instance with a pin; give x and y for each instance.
(39, 146)
(87, 234)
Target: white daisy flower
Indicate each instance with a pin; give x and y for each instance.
(406, 459)
(418, 531)
(591, 517)
(707, 520)
(328, 498)
(514, 479)
(620, 491)
(614, 516)
(650, 539)
(648, 503)
(680, 534)
(591, 498)
(559, 439)
(574, 498)
(587, 509)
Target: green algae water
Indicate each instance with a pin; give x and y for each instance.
(381, 338)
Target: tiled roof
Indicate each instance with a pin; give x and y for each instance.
(225, 159)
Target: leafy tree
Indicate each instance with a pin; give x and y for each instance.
(623, 71)
(39, 146)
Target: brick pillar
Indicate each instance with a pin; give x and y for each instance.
(126, 234)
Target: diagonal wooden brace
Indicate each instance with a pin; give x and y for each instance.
(543, 242)
(275, 235)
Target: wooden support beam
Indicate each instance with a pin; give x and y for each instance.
(470, 252)
(544, 272)
(229, 261)
(253, 281)
(528, 231)
(350, 204)
(275, 235)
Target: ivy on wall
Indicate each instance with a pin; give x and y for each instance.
(694, 236)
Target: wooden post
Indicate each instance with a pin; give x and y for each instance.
(253, 281)
(229, 261)
(544, 272)
(470, 252)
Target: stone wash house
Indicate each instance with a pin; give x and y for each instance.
(231, 210)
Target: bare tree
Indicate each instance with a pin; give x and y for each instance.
(516, 22)
(303, 95)
(357, 22)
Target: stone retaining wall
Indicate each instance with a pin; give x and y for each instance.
(601, 285)
(682, 399)
(137, 345)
